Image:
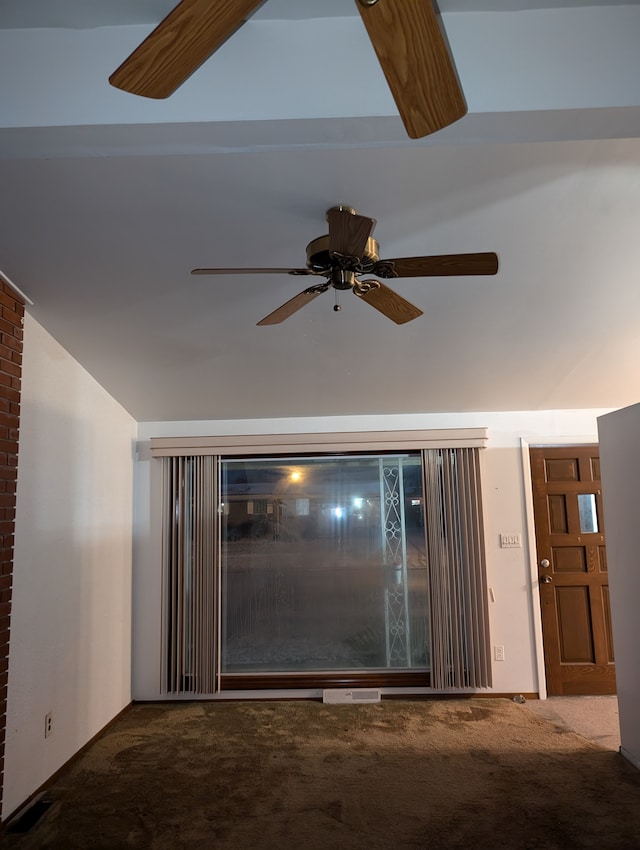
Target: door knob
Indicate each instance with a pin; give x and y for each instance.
(544, 563)
(546, 579)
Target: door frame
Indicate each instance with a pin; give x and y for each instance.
(532, 551)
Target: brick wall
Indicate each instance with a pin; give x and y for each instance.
(11, 318)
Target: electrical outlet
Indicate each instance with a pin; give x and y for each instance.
(48, 724)
(498, 653)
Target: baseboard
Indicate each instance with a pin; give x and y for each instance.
(16, 813)
(315, 695)
(630, 757)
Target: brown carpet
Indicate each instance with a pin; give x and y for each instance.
(473, 774)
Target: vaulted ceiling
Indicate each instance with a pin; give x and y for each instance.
(108, 201)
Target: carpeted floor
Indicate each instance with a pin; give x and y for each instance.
(440, 775)
(593, 717)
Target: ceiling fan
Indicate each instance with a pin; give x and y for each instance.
(349, 251)
(406, 34)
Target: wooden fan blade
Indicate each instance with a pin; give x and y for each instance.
(180, 44)
(394, 306)
(348, 232)
(292, 306)
(445, 265)
(413, 52)
(253, 271)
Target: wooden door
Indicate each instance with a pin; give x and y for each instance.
(572, 570)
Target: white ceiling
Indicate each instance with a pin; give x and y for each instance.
(108, 202)
(103, 13)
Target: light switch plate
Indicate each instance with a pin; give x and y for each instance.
(511, 541)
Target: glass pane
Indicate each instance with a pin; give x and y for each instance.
(588, 511)
(323, 564)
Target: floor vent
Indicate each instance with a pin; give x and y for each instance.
(27, 819)
(336, 695)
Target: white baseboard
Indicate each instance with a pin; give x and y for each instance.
(630, 757)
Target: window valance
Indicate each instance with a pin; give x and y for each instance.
(248, 444)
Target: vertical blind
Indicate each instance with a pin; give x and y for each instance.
(189, 572)
(460, 646)
(454, 539)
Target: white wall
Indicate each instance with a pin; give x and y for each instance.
(620, 465)
(515, 620)
(71, 614)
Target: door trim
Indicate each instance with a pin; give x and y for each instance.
(532, 551)
(532, 554)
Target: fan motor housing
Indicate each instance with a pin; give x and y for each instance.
(319, 259)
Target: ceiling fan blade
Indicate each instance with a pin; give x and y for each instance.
(180, 44)
(445, 265)
(414, 54)
(348, 232)
(388, 302)
(293, 305)
(253, 271)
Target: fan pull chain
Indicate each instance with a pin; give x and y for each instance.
(337, 307)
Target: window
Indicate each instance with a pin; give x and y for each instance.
(331, 574)
(301, 568)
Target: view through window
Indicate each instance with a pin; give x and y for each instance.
(323, 564)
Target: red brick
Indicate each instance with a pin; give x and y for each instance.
(11, 336)
(10, 341)
(11, 316)
(9, 419)
(7, 300)
(9, 367)
(11, 394)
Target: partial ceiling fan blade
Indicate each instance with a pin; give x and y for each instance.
(253, 271)
(348, 232)
(293, 305)
(444, 265)
(180, 44)
(388, 302)
(414, 54)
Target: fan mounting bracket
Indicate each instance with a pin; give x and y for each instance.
(362, 287)
(343, 208)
